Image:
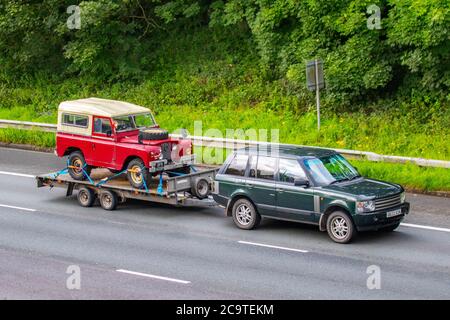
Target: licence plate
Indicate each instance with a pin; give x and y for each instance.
(393, 213)
(159, 164)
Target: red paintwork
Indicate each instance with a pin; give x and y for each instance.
(114, 152)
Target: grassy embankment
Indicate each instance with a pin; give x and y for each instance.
(200, 82)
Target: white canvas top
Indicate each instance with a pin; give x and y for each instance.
(101, 107)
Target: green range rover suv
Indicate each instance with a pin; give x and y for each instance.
(309, 185)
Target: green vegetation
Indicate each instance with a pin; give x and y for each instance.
(36, 138)
(239, 64)
(412, 177)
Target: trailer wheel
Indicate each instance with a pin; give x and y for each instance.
(108, 200)
(86, 197)
(201, 188)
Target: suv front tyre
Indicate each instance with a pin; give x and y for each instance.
(340, 227)
(245, 215)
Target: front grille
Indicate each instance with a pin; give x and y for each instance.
(166, 151)
(388, 202)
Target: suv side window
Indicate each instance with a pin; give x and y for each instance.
(238, 165)
(252, 167)
(265, 168)
(289, 170)
(102, 125)
(74, 120)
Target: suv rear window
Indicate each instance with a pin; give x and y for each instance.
(74, 120)
(265, 168)
(289, 170)
(238, 165)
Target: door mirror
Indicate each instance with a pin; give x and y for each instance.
(301, 183)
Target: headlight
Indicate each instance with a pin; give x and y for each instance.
(155, 154)
(365, 206)
(402, 197)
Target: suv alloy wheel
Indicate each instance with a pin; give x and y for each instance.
(340, 227)
(245, 215)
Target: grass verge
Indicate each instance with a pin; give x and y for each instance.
(412, 177)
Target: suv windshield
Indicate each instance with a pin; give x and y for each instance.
(133, 122)
(330, 169)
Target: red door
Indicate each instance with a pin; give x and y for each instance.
(103, 143)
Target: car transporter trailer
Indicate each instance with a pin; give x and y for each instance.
(192, 189)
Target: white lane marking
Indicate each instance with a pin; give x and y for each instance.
(17, 208)
(152, 276)
(274, 247)
(424, 227)
(17, 174)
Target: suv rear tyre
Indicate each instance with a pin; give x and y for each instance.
(137, 173)
(340, 227)
(245, 215)
(76, 159)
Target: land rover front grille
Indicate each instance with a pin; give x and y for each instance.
(387, 202)
(166, 151)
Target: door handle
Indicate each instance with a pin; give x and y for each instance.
(280, 190)
(272, 194)
(93, 146)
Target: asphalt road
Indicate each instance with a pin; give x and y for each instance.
(148, 251)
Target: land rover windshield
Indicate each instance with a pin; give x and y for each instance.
(133, 122)
(330, 169)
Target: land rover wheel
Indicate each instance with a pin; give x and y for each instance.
(76, 166)
(245, 215)
(340, 227)
(137, 174)
(108, 200)
(86, 197)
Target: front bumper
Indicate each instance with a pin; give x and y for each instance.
(378, 219)
(163, 165)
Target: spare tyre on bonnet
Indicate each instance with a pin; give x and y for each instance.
(153, 134)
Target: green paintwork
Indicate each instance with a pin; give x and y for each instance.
(282, 200)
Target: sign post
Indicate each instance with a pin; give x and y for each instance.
(314, 81)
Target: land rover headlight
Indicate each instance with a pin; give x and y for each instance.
(365, 206)
(402, 197)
